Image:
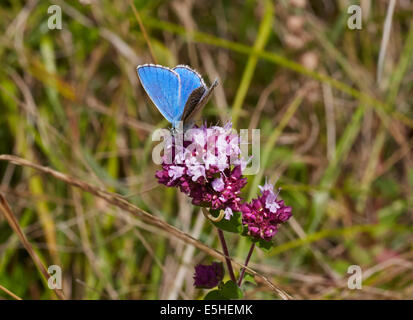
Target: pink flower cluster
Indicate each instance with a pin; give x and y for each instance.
(263, 215)
(207, 166)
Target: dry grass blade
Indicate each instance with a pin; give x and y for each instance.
(14, 224)
(385, 40)
(144, 33)
(11, 294)
(123, 204)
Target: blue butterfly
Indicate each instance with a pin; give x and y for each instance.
(178, 93)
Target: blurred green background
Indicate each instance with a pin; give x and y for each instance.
(336, 135)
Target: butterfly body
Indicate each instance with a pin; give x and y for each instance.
(178, 93)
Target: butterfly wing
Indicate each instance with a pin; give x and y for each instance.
(195, 104)
(190, 80)
(163, 87)
(192, 101)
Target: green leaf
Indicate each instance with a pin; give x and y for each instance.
(390, 213)
(233, 225)
(226, 291)
(249, 278)
(230, 290)
(215, 295)
(264, 245)
(389, 188)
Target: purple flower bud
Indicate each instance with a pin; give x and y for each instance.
(208, 276)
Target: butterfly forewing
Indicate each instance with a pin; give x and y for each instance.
(162, 86)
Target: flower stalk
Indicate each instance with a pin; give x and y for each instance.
(242, 273)
(226, 253)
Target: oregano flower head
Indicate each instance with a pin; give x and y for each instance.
(207, 167)
(263, 215)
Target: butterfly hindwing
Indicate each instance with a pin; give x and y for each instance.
(163, 87)
(191, 108)
(190, 80)
(192, 102)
